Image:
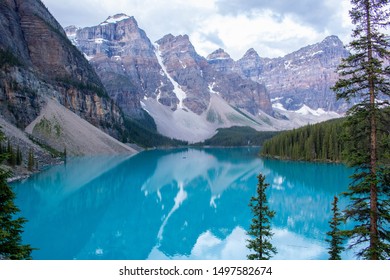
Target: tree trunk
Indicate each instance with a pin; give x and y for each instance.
(373, 144)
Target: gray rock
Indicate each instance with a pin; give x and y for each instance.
(45, 63)
(302, 77)
(132, 68)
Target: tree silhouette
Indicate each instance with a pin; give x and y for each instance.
(11, 228)
(336, 239)
(260, 229)
(364, 78)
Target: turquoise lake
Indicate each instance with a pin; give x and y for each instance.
(176, 204)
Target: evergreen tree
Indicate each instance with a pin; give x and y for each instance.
(31, 160)
(11, 154)
(336, 239)
(364, 76)
(319, 142)
(65, 155)
(19, 157)
(11, 228)
(260, 229)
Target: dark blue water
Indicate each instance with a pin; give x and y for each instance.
(176, 204)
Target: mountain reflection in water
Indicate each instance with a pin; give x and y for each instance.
(176, 204)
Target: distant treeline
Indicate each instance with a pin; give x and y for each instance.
(327, 141)
(313, 142)
(238, 136)
(145, 134)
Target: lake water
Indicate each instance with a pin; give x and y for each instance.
(176, 204)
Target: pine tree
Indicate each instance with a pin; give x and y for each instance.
(11, 228)
(364, 76)
(336, 239)
(260, 229)
(65, 155)
(11, 154)
(31, 161)
(19, 157)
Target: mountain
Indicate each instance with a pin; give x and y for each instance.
(169, 81)
(188, 96)
(302, 78)
(41, 67)
(125, 60)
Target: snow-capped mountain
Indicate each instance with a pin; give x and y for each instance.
(189, 96)
(301, 78)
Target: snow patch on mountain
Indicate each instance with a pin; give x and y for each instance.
(180, 94)
(305, 110)
(87, 57)
(297, 119)
(115, 19)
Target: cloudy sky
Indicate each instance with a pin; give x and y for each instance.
(273, 28)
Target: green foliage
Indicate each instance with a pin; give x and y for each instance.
(50, 128)
(335, 238)
(364, 182)
(234, 117)
(364, 76)
(11, 228)
(329, 141)
(8, 58)
(318, 142)
(238, 136)
(11, 154)
(145, 137)
(19, 157)
(260, 228)
(31, 160)
(214, 117)
(13, 157)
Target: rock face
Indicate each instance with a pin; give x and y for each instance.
(39, 61)
(170, 71)
(186, 70)
(168, 78)
(301, 78)
(115, 69)
(125, 60)
(243, 93)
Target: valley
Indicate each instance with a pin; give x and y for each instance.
(97, 86)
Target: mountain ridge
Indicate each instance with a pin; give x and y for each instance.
(40, 65)
(171, 73)
(303, 77)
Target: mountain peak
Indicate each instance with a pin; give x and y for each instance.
(180, 43)
(169, 38)
(333, 40)
(116, 18)
(218, 54)
(251, 53)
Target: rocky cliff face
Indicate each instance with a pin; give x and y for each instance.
(243, 93)
(125, 60)
(168, 78)
(186, 70)
(39, 61)
(301, 78)
(171, 72)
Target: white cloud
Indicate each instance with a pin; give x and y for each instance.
(262, 32)
(272, 30)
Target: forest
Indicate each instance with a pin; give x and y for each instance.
(238, 136)
(326, 141)
(313, 142)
